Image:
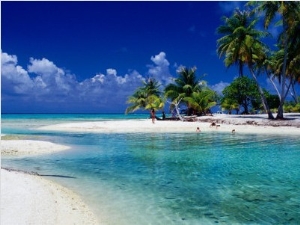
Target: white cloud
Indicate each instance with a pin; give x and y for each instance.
(160, 71)
(43, 67)
(160, 60)
(44, 82)
(51, 84)
(8, 59)
(219, 87)
(14, 76)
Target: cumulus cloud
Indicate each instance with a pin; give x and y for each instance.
(15, 79)
(219, 87)
(45, 84)
(160, 69)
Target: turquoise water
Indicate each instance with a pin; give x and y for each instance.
(156, 178)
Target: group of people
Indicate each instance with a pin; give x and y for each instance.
(198, 128)
(153, 117)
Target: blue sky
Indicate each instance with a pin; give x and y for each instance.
(88, 57)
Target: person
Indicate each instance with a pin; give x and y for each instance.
(163, 115)
(233, 131)
(153, 115)
(212, 124)
(198, 129)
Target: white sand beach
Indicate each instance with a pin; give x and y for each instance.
(31, 199)
(252, 124)
(29, 147)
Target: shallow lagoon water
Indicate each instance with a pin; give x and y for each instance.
(156, 178)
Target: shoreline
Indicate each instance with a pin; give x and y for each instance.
(246, 124)
(29, 147)
(42, 200)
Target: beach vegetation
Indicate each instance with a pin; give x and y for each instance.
(230, 105)
(202, 101)
(146, 97)
(242, 92)
(286, 64)
(292, 107)
(184, 85)
(187, 89)
(241, 45)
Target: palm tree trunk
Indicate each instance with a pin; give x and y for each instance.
(246, 106)
(262, 96)
(282, 98)
(177, 110)
(294, 94)
(280, 108)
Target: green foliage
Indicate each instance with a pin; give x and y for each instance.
(184, 85)
(191, 91)
(240, 44)
(242, 92)
(230, 104)
(146, 97)
(284, 63)
(273, 100)
(290, 107)
(202, 101)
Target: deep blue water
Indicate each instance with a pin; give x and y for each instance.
(169, 178)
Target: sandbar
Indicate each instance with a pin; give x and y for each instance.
(29, 147)
(246, 124)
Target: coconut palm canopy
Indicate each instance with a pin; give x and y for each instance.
(242, 44)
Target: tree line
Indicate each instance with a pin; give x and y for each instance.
(241, 45)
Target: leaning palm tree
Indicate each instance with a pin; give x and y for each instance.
(245, 47)
(138, 100)
(290, 14)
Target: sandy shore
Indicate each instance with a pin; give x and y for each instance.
(31, 199)
(252, 124)
(28, 147)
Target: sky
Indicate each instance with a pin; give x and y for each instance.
(89, 57)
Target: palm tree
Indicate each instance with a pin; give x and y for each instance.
(230, 104)
(146, 97)
(184, 85)
(154, 102)
(290, 13)
(202, 101)
(231, 45)
(293, 61)
(241, 45)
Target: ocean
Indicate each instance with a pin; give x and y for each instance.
(167, 178)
